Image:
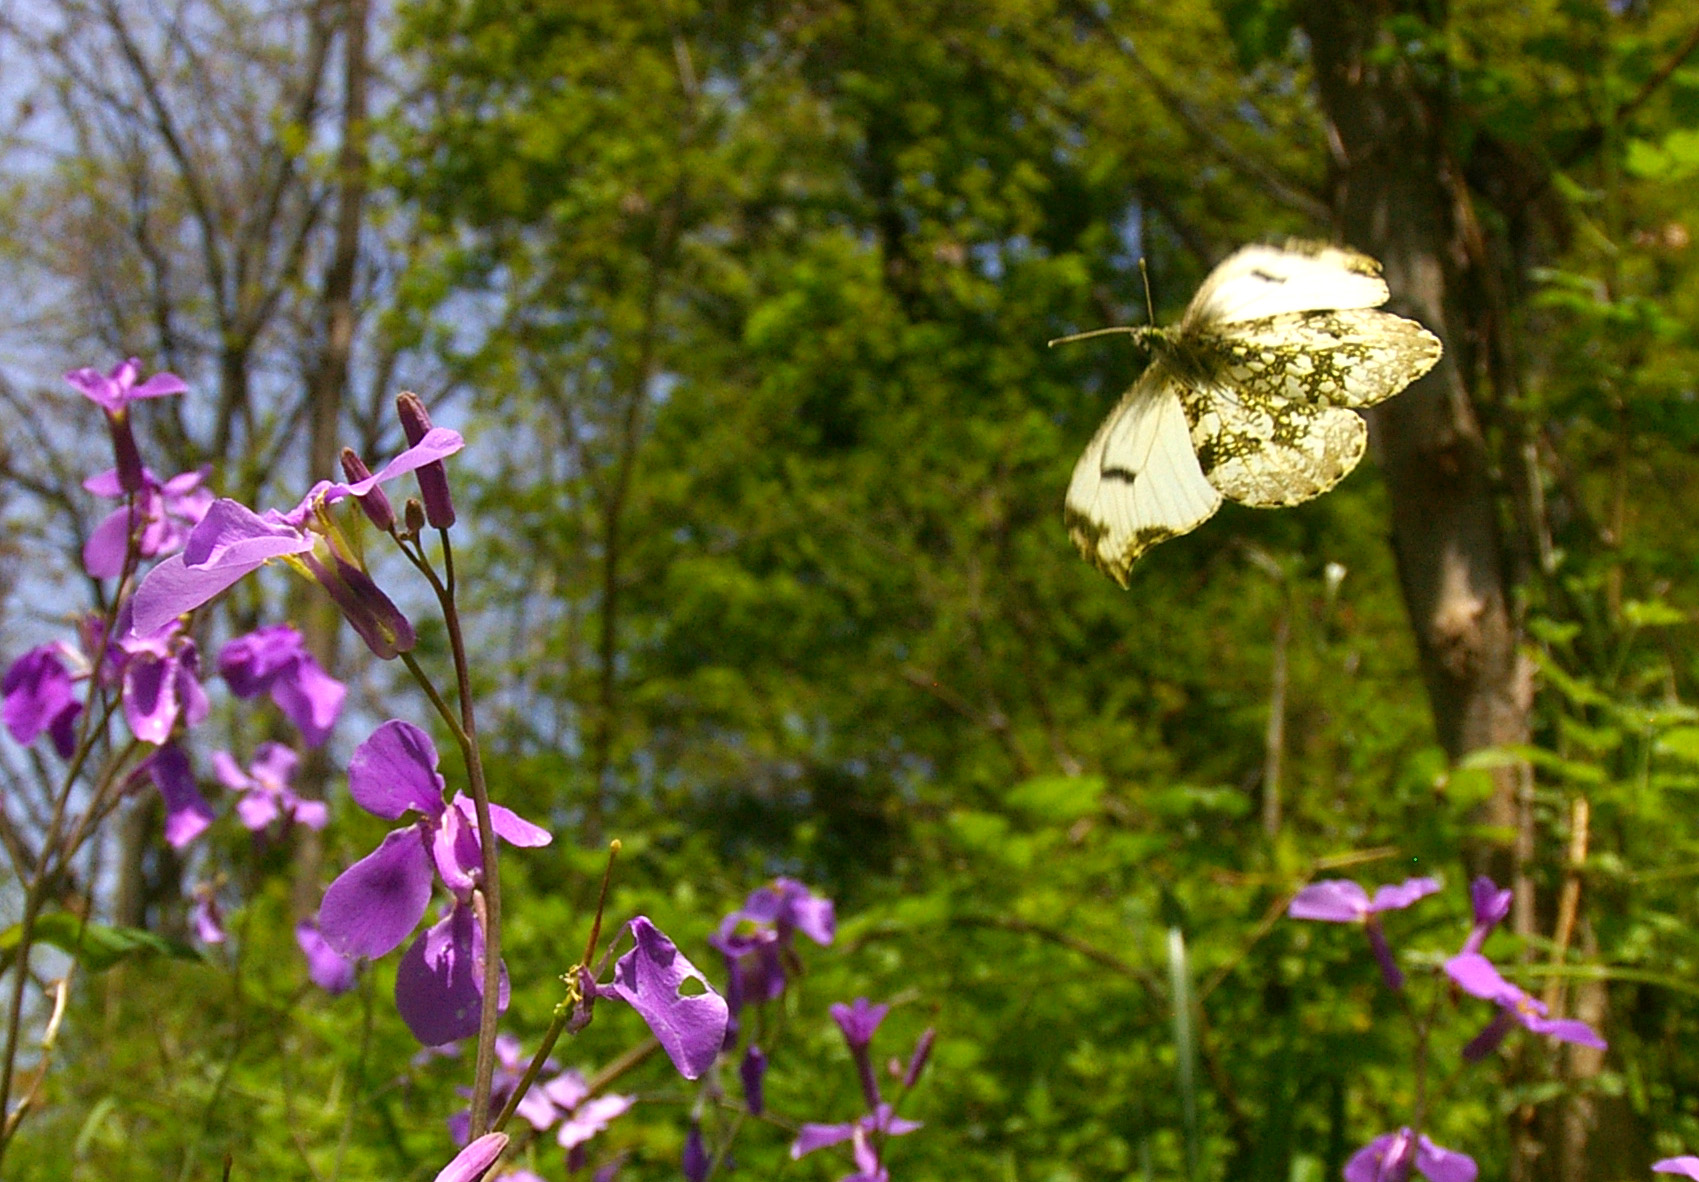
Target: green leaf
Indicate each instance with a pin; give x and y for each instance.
(97, 947)
(1057, 798)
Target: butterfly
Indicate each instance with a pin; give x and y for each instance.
(1249, 397)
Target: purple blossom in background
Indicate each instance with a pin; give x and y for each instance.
(160, 676)
(377, 902)
(1390, 1156)
(471, 1163)
(275, 660)
(165, 512)
(209, 916)
(756, 940)
(1339, 900)
(328, 968)
(39, 697)
(233, 541)
(266, 794)
(858, 1023)
(584, 1115)
(1686, 1165)
(113, 393)
(556, 1096)
(511, 1062)
(1475, 975)
(691, 1029)
(882, 1122)
(1490, 905)
(187, 815)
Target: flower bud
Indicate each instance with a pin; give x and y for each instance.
(433, 477)
(751, 1072)
(414, 513)
(386, 631)
(129, 457)
(374, 503)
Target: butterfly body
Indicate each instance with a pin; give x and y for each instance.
(1250, 397)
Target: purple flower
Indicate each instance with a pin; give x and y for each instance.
(858, 1022)
(160, 672)
(1390, 1156)
(691, 1029)
(585, 1115)
(328, 968)
(1687, 1166)
(1490, 905)
(1475, 975)
(265, 790)
(1339, 900)
(187, 815)
(163, 516)
(113, 393)
(756, 939)
(233, 541)
(471, 1163)
(880, 1123)
(511, 1062)
(276, 660)
(38, 697)
(375, 903)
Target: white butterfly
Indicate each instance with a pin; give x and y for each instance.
(1246, 399)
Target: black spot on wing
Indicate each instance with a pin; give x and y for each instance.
(1266, 277)
(1125, 475)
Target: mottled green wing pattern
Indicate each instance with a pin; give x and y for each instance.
(1269, 452)
(1354, 357)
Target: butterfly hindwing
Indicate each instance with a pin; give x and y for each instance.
(1354, 357)
(1271, 452)
(1138, 482)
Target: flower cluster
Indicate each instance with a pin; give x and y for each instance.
(1390, 1157)
(868, 1133)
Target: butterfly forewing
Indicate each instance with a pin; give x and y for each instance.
(1260, 281)
(1138, 482)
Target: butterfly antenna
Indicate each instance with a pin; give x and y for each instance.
(1149, 304)
(1096, 332)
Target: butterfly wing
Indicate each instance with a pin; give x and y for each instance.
(1138, 482)
(1271, 452)
(1260, 281)
(1270, 431)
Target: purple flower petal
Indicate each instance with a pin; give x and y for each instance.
(1443, 1165)
(186, 814)
(858, 1021)
(108, 545)
(1476, 975)
(310, 698)
(690, 1029)
(396, 770)
(1385, 1159)
(38, 692)
(439, 982)
(471, 1163)
(1686, 1165)
(1396, 898)
(328, 968)
(1333, 900)
(1565, 1030)
(1490, 905)
(591, 1118)
(112, 392)
(511, 827)
(377, 901)
(816, 1136)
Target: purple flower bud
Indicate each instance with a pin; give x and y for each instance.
(751, 1072)
(473, 1162)
(375, 503)
(433, 478)
(1491, 905)
(917, 1061)
(697, 1163)
(858, 1022)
